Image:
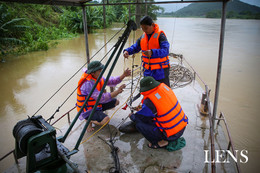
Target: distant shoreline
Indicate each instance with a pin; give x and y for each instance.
(167, 16)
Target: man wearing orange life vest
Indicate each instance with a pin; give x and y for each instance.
(155, 50)
(107, 100)
(161, 119)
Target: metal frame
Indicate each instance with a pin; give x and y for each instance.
(52, 2)
(220, 57)
(85, 32)
(86, 2)
(211, 121)
(137, 2)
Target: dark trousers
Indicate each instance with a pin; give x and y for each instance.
(166, 80)
(151, 132)
(109, 105)
(99, 115)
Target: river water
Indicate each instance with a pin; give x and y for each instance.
(28, 81)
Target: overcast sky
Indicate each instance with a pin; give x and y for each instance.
(177, 6)
(252, 2)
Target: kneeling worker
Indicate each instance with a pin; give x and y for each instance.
(107, 100)
(161, 119)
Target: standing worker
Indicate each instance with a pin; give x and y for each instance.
(155, 50)
(161, 119)
(107, 100)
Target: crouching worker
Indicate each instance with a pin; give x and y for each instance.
(107, 100)
(161, 119)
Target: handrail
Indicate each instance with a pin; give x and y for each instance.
(212, 141)
(230, 143)
(67, 113)
(10, 152)
(212, 120)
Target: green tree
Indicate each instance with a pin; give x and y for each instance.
(122, 12)
(72, 21)
(10, 29)
(152, 10)
(213, 14)
(110, 15)
(48, 23)
(231, 14)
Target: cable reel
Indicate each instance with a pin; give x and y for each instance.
(36, 139)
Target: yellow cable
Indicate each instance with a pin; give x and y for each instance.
(112, 115)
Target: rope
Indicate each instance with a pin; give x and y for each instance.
(57, 110)
(181, 76)
(177, 74)
(111, 116)
(132, 82)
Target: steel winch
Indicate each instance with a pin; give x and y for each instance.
(36, 139)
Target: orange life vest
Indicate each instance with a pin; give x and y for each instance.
(81, 98)
(170, 116)
(153, 43)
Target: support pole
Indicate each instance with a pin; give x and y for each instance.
(129, 10)
(138, 13)
(146, 8)
(104, 14)
(130, 26)
(85, 32)
(220, 56)
(121, 42)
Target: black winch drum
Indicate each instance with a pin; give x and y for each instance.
(22, 131)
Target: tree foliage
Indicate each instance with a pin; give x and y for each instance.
(11, 29)
(27, 27)
(233, 15)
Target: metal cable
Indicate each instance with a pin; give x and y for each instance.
(74, 76)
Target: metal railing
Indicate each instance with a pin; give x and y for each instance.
(230, 143)
(211, 118)
(10, 152)
(67, 113)
(207, 91)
